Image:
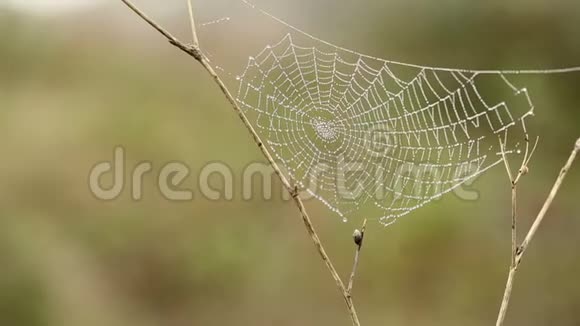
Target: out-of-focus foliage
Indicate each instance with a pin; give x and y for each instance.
(74, 86)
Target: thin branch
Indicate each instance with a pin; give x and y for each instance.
(196, 53)
(312, 232)
(502, 144)
(514, 183)
(514, 237)
(192, 23)
(519, 252)
(359, 237)
(149, 21)
(506, 297)
(548, 202)
(514, 224)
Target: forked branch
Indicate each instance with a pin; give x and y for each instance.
(518, 252)
(195, 51)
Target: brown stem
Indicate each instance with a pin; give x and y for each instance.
(548, 202)
(519, 252)
(359, 243)
(195, 51)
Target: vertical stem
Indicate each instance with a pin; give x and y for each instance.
(518, 254)
(358, 239)
(192, 23)
(514, 224)
(513, 262)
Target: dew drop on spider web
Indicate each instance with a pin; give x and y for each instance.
(366, 134)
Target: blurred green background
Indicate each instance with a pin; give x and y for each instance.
(76, 82)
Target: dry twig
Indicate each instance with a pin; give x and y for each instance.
(358, 238)
(195, 51)
(518, 252)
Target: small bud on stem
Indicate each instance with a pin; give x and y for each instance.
(525, 170)
(358, 237)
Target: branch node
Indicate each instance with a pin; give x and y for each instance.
(519, 251)
(196, 52)
(295, 192)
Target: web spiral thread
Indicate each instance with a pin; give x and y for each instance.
(357, 132)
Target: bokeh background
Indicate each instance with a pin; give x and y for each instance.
(78, 78)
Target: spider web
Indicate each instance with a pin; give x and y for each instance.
(368, 136)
